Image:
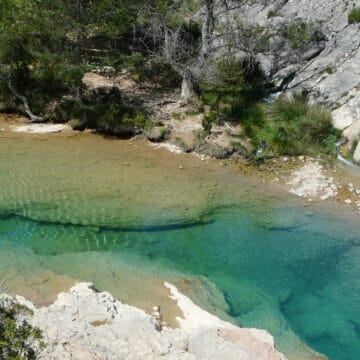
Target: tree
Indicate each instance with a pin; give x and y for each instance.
(166, 32)
(222, 78)
(48, 45)
(185, 35)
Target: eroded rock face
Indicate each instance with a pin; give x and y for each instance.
(326, 64)
(85, 324)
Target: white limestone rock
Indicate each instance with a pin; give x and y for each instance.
(86, 324)
(356, 156)
(328, 67)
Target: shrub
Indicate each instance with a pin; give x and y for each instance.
(293, 127)
(273, 13)
(208, 120)
(18, 338)
(354, 16)
(233, 87)
(114, 121)
(301, 34)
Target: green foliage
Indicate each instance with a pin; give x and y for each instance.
(273, 13)
(208, 121)
(354, 16)
(301, 34)
(292, 127)
(155, 71)
(234, 89)
(48, 45)
(18, 339)
(108, 118)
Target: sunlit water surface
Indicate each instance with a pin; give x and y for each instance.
(289, 269)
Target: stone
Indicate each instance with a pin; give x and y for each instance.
(326, 67)
(86, 324)
(352, 133)
(356, 156)
(158, 134)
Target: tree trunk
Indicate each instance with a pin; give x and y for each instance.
(24, 100)
(187, 88)
(167, 46)
(207, 29)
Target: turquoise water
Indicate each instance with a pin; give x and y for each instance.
(292, 271)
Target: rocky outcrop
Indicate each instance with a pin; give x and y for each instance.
(356, 155)
(98, 88)
(86, 324)
(301, 45)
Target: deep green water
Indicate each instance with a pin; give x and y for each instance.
(286, 269)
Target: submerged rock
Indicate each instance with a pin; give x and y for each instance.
(86, 324)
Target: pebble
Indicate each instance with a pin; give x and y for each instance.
(348, 201)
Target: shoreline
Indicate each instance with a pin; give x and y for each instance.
(85, 323)
(303, 176)
(271, 190)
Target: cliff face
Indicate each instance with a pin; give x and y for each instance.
(85, 324)
(305, 45)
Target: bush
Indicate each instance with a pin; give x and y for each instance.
(293, 127)
(354, 16)
(208, 120)
(233, 87)
(18, 339)
(301, 34)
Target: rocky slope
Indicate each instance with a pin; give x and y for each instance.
(306, 45)
(86, 324)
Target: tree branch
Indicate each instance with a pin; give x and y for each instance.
(24, 100)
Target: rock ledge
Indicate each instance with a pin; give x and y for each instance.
(86, 324)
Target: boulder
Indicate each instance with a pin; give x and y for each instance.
(356, 156)
(158, 134)
(86, 324)
(352, 133)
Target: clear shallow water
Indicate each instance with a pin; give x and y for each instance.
(278, 268)
(66, 202)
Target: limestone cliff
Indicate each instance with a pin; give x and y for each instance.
(300, 45)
